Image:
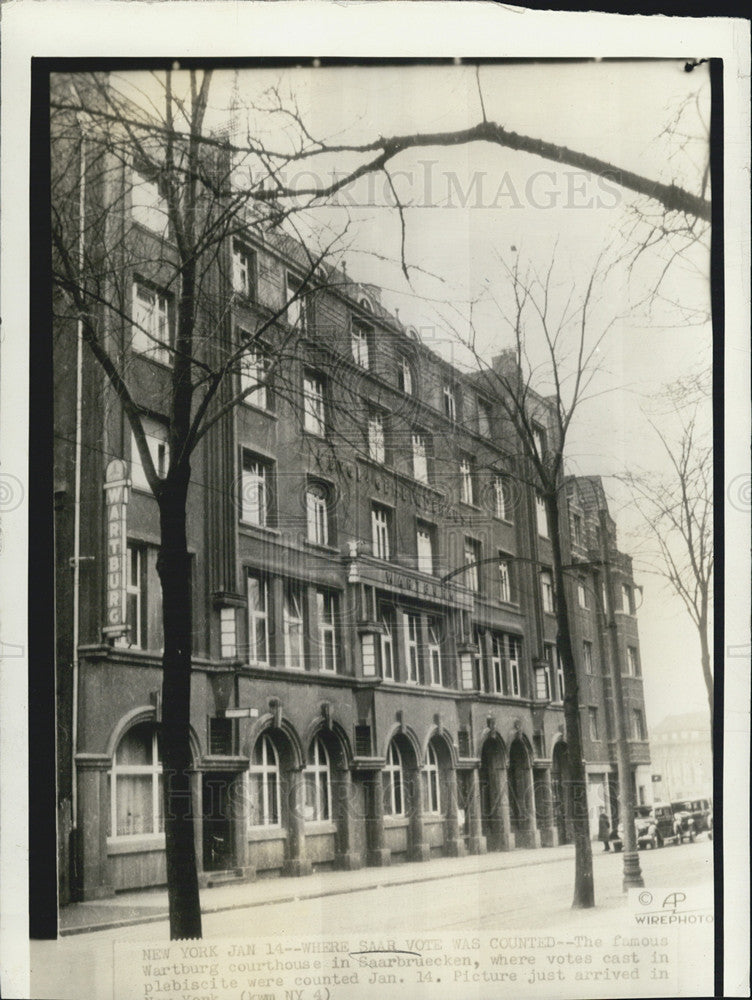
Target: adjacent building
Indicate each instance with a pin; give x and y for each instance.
(375, 675)
(682, 757)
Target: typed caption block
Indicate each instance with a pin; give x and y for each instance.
(439, 966)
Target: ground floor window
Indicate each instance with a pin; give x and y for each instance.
(265, 783)
(318, 783)
(431, 786)
(394, 786)
(136, 784)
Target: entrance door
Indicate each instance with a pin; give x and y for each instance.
(218, 848)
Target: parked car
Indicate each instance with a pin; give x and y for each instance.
(698, 809)
(657, 826)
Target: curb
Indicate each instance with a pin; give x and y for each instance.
(384, 883)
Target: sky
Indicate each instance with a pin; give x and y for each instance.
(472, 211)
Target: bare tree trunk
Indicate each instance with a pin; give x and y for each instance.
(707, 672)
(584, 892)
(173, 564)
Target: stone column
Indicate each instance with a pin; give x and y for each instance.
(345, 857)
(454, 843)
(508, 838)
(527, 835)
(297, 862)
(417, 849)
(544, 807)
(476, 842)
(238, 806)
(378, 855)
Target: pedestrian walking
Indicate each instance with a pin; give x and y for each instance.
(604, 830)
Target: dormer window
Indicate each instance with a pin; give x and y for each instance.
(450, 403)
(405, 376)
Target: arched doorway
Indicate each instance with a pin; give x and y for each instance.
(403, 801)
(493, 794)
(328, 800)
(561, 786)
(439, 778)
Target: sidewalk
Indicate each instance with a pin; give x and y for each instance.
(150, 905)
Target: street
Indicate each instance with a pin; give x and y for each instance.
(534, 897)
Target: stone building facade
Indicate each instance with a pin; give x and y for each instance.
(375, 676)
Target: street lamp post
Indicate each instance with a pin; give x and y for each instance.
(632, 872)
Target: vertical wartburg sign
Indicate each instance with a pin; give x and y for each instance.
(116, 499)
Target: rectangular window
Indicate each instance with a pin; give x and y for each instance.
(159, 449)
(514, 650)
(380, 531)
(434, 653)
(582, 594)
(255, 489)
(633, 663)
(498, 682)
(148, 204)
(360, 348)
(292, 626)
(543, 682)
(143, 597)
(243, 270)
(541, 516)
(376, 438)
(420, 460)
(587, 656)
(317, 514)
(466, 481)
(297, 304)
(484, 418)
(593, 719)
(450, 403)
(547, 592)
(626, 599)
(539, 437)
(253, 368)
(258, 620)
(425, 548)
(500, 498)
(559, 666)
(326, 604)
(577, 529)
(228, 639)
(152, 323)
(638, 724)
(314, 410)
(505, 580)
(405, 376)
(411, 630)
(387, 643)
(472, 558)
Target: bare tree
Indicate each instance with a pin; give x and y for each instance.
(676, 511)
(542, 381)
(104, 141)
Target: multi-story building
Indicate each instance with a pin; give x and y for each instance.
(375, 675)
(682, 757)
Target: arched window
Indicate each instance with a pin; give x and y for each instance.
(431, 789)
(394, 785)
(264, 775)
(318, 783)
(136, 784)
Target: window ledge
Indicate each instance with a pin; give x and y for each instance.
(137, 844)
(259, 409)
(318, 547)
(321, 827)
(395, 822)
(250, 526)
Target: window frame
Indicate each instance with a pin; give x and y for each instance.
(244, 277)
(152, 770)
(548, 596)
(505, 579)
(314, 403)
(258, 618)
(467, 485)
(327, 628)
(263, 481)
(387, 619)
(472, 575)
(419, 444)
(271, 818)
(433, 650)
(252, 373)
(450, 402)
(293, 597)
(587, 656)
(318, 527)
(381, 531)
(361, 337)
(432, 782)
(541, 517)
(394, 791)
(317, 775)
(148, 328)
(376, 436)
(411, 622)
(426, 557)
